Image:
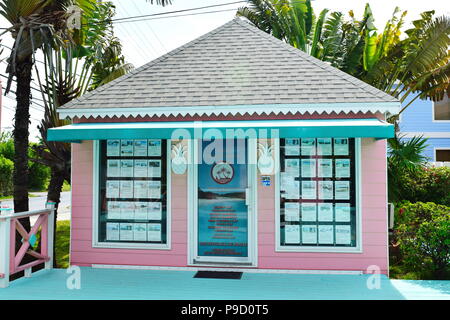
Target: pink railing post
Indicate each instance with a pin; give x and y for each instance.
(5, 230)
(50, 234)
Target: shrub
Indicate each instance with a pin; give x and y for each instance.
(422, 233)
(426, 185)
(6, 173)
(38, 174)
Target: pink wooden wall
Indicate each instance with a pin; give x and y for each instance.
(374, 222)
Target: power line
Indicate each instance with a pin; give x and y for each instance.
(151, 30)
(176, 11)
(31, 106)
(178, 16)
(14, 110)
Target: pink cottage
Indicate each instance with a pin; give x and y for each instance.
(235, 151)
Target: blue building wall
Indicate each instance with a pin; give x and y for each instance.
(418, 118)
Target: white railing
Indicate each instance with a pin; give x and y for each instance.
(439, 164)
(10, 260)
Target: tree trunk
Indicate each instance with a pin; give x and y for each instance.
(54, 195)
(21, 133)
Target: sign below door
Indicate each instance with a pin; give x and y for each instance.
(223, 206)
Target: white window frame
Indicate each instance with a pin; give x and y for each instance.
(300, 248)
(438, 149)
(433, 118)
(95, 207)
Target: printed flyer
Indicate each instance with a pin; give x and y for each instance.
(325, 211)
(292, 167)
(127, 210)
(112, 148)
(126, 231)
(309, 211)
(112, 231)
(342, 190)
(292, 147)
(326, 235)
(126, 168)
(140, 168)
(308, 189)
(154, 168)
(154, 189)
(154, 232)
(342, 168)
(112, 189)
(140, 148)
(154, 147)
(291, 211)
(309, 234)
(126, 148)
(326, 190)
(139, 231)
(324, 147)
(341, 146)
(126, 189)
(308, 168)
(342, 212)
(343, 235)
(141, 189)
(141, 210)
(289, 186)
(154, 211)
(308, 147)
(113, 168)
(113, 210)
(325, 168)
(292, 233)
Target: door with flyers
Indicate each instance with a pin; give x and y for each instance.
(223, 203)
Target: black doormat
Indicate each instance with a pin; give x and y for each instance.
(218, 275)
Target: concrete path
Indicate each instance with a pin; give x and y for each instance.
(38, 202)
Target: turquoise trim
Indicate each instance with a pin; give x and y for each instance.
(352, 128)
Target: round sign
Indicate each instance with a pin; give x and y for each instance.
(222, 172)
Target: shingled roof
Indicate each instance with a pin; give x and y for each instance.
(233, 69)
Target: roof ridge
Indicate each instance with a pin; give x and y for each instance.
(321, 64)
(149, 64)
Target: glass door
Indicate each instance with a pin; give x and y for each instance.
(223, 202)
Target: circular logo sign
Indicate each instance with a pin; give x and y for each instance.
(222, 172)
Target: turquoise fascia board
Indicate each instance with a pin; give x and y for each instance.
(352, 128)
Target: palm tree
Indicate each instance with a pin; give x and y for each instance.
(418, 63)
(87, 58)
(404, 156)
(290, 20)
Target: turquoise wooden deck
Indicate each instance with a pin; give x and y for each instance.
(179, 285)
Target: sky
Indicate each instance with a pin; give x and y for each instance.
(144, 41)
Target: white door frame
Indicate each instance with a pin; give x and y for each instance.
(192, 185)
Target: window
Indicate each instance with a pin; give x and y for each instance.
(132, 203)
(442, 109)
(317, 194)
(443, 155)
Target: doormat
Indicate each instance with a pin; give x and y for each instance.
(218, 275)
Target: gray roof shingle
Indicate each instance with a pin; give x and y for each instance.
(235, 64)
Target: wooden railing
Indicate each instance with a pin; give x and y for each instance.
(10, 261)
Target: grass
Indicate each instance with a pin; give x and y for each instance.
(66, 187)
(62, 243)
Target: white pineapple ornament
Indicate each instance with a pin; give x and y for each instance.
(179, 162)
(266, 163)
